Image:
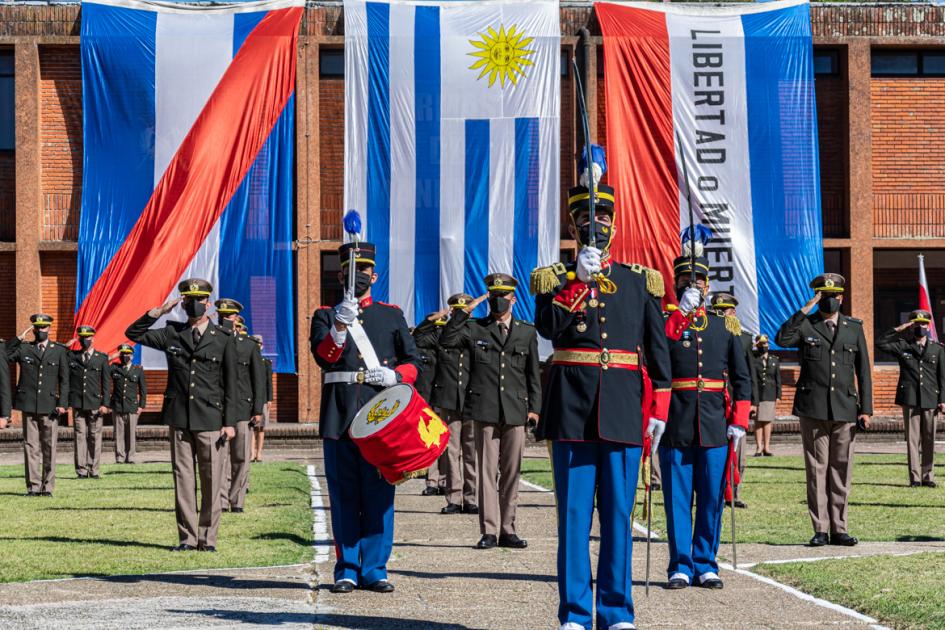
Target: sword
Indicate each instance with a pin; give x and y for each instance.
(352, 226)
(591, 187)
(649, 519)
(732, 477)
(692, 221)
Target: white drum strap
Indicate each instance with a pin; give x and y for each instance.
(361, 340)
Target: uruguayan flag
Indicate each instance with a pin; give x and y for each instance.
(452, 143)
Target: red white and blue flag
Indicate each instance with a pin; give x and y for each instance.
(735, 84)
(925, 302)
(189, 132)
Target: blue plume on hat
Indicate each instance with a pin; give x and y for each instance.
(598, 159)
(352, 223)
(702, 234)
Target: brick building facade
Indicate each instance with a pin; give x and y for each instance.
(881, 113)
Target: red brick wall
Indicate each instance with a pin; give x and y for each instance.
(8, 323)
(57, 298)
(60, 97)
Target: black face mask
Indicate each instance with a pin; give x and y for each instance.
(85, 342)
(194, 309)
(362, 282)
(226, 324)
(761, 350)
(126, 358)
(41, 335)
(602, 234)
(829, 305)
(921, 331)
(499, 305)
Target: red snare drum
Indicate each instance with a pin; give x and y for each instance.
(399, 433)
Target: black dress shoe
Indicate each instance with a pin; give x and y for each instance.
(430, 491)
(929, 484)
(758, 454)
(184, 547)
(656, 486)
(513, 541)
(843, 540)
(343, 586)
(30, 493)
(676, 584)
(769, 454)
(741, 504)
(819, 540)
(451, 508)
(470, 509)
(94, 477)
(487, 542)
(914, 484)
(381, 586)
(81, 476)
(713, 583)
(237, 510)
(46, 493)
(209, 548)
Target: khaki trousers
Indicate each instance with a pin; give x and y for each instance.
(436, 473)
(126, 425)
(87, 427)
(236, 469)
(500, 465)
(461, 478)
(828, 461)
(205, 448)
(920, 436)
(40, 435)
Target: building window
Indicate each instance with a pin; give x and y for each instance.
(908, 63)
(331, 63)
(7, 101)
(826, 62)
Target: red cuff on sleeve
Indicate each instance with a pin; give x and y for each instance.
(328, 351)
(661, 398)
(676, 324)
(408, 373)
(740, 417)
(571, 297)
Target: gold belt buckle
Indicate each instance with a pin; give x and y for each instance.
(604, 358)
(700, 385)
(360, 377)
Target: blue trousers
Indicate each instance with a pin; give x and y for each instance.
(693, 475)
(362, 514)
(582, 470)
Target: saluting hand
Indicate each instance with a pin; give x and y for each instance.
(479, 300)
(902, 327)
(165, 308)
(438, 315)
(23, 334)
(811, 303)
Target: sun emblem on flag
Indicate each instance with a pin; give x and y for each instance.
(502, 55)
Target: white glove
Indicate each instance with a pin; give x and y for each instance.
(655, 430)
(347, 312)
(734, 433)
(690, 301)
(588, 263)
(338, 336)
(383, 376)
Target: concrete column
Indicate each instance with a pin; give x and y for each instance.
(28, 176)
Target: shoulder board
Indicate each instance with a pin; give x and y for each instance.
(223, 330)
(855, 320)
(654, 279)
(522, 322)
(547, 279)
(265, 360)
(254, 340)
(61, 345)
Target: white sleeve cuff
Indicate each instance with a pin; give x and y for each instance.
(338, 336)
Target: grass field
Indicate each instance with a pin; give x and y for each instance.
(881, 508)
(902, 592)
(124, 523)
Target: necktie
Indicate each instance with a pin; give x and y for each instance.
(196, 336)
(85, 357)
(504, 331)
(832, 327)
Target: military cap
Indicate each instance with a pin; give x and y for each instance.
(723, 300)
(125, 348)
(579, 198)
(828, 283)
(760, 339)
(920, 316)
(257, 339)
(195, 287)
(41, 320)
(459, 300)
(228, 306)
(364, 253)
(85, 331)
(683, 265)
(240, 322)
(500, 283)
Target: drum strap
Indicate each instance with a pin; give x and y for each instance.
(360, 338)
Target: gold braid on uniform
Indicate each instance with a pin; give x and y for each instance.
(545, 279)
(733, 325)
(605, 284)
(654, 283)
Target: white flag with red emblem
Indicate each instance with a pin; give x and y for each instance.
(924, 301)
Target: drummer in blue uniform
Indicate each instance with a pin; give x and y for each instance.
(604, 319)
(707, 356)
(362, 502)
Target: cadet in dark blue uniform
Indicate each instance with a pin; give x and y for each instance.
(707, 355)
(603, 331)
(362, 502)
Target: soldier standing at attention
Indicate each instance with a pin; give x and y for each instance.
(250, 398)
(362, 502)
(504, 392)
(593, 407)
(449, 393)
(42, 394)
(427, 336)
(259, 428)
(199, 406)
(88, 395)
(768, 388)
(834, 398)
(921, 390)
(129, 396)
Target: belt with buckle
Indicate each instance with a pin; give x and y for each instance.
(698, 384)
(622, 359)
(344, 378)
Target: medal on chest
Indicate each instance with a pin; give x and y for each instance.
(686, 339)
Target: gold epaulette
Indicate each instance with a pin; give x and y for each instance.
(654, 279)
(733, 325)
(546, 279)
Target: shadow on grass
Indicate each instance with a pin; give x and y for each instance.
(274, 619)
(524, 577)
(294, 538)
(920, 539)
(214, 581)
(897, 505)
(105, 509)
(383, 623)
(437, 545)
(87, 541)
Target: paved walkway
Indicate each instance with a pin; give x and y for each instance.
(442, 583)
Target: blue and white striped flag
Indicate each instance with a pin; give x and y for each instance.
(452, 143)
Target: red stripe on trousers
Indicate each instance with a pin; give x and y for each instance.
(641, 158)
(199, 182)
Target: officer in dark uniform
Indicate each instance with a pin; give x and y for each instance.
(250, 398)
(725, 305)
(834, 396)
(259, 428)
(199, 406)
(920, 392)
(42, 394)
(768, 389)
(427, 335)
(6, 399)
(707, 357)
(129, 397)
(449, 393)
(504, 393)
(604, 330)
(88, 395)
(362, 502)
